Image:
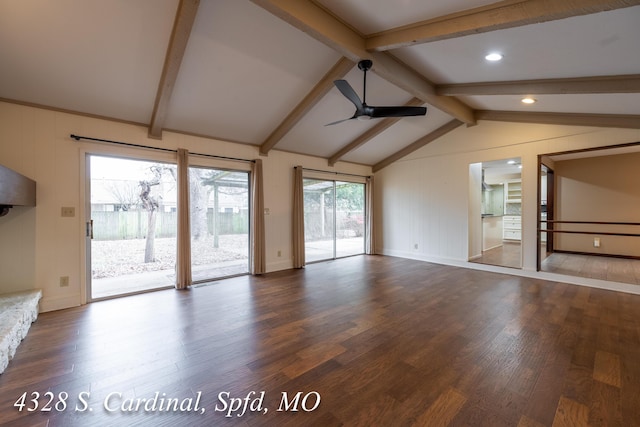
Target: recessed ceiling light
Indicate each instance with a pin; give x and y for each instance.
(493, 56)
(528, 100)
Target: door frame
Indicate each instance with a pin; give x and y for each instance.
(550, 197)
(249, 215)
(149, 154)
(334, 182)
(85, 208)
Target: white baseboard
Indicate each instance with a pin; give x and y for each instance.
(492, 247)
(59, 303)
(278, 266)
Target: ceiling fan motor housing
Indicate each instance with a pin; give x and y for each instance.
(365, 64)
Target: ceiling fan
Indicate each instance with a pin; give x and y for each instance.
(364, 111)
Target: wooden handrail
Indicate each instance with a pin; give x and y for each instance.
(546, 230)
(589, 222)
(589, 232)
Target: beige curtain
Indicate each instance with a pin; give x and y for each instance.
(298, 219)
(370, 244)
(258, 263)
(183, 257)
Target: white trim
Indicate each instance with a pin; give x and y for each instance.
(279, 266)
(85, 215)
(59, 303)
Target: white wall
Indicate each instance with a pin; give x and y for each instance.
(38, 246)
(424, 199)
(475, 211)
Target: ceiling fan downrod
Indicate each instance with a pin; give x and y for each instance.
(365, 65)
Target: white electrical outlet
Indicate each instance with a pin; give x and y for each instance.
(68, 211)
(596, 242)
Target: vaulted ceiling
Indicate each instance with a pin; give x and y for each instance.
(261, 72)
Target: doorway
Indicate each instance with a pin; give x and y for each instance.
(132, 226)
(545, 213)
(594, 228)
(496, 236)
(334, 221)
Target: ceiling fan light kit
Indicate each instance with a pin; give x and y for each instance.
(366, 112)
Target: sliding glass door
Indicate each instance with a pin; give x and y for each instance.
(219, 205)
(333, 219)
(132, 228)
(319, 216)
(349, 218)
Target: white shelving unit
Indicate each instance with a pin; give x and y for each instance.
(512, 224)
(513, 192)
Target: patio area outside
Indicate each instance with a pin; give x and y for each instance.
(126, 273)
(120, 266)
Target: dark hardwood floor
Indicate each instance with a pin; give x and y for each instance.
(509, 254)
(383, 341)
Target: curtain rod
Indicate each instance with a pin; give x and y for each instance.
(170, 150)
(336, 173)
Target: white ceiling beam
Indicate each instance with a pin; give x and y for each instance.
(371, 133)
(326, 28)
(581, 85)
(624, 121)
(496, 16)
(182, 25)
(441, 131)
(338, 71)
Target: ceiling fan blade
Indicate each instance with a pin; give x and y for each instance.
(365, 111)
(340, 121)
(400, 111)
(345, 88)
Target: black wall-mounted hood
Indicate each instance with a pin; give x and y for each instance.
(15, 190)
